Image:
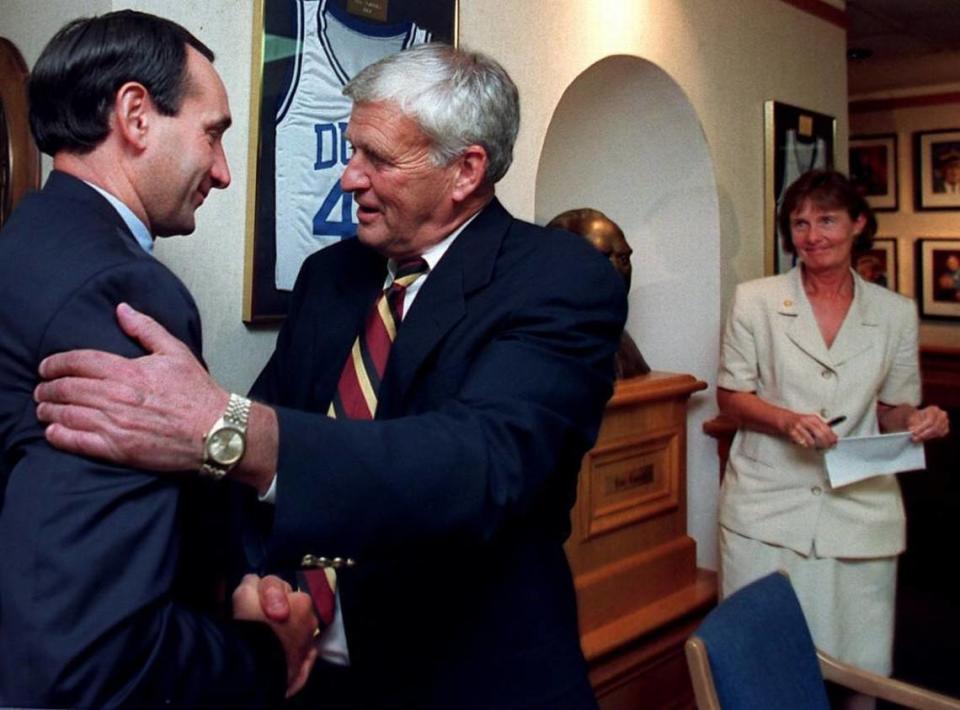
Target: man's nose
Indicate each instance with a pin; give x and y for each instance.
(220, 172)
(354, 175)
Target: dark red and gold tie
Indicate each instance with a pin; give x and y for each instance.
(356, 396)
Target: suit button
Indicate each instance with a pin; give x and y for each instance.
(313, 561)
(823, 413)
(826, 374)
(816, 490)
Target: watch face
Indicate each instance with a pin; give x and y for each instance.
(225, 446)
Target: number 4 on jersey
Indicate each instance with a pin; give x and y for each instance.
(344, 227)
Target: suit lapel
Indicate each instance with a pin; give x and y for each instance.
(802, 327)
(353, 290)
(855, 334)
(64, 186)
(858, 332)
(441, 303)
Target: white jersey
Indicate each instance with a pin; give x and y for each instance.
(799, 157)
(311, 151)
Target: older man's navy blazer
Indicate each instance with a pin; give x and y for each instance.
(455, 501)
(90, 554)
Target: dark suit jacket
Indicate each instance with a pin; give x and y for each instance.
(89, 553)
(455, 501)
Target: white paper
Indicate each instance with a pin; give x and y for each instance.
(858, 457)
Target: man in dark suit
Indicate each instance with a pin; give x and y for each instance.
(446, 512)
(92, 600)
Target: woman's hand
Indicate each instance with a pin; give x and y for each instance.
(808, 431)
(924, 424)
(749, 410)
(928, 423)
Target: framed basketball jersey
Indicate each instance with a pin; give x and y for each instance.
(310, 50)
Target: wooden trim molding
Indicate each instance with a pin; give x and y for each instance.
(940, 366)
(722, 428)
(20, 162)
(818, 8)
(869, 105)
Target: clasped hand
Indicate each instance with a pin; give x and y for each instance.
(291, 617)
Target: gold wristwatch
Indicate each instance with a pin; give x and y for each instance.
(226, 442)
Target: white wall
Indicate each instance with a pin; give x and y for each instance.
(625, 139)
(726, 56)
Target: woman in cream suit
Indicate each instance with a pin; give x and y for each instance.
(799, 350)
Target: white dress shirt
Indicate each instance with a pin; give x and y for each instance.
(139, 229)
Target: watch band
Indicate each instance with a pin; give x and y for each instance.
(232, 421)
(237, 412)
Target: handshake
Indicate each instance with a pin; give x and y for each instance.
(291, 616)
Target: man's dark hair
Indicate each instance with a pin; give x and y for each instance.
(76, 78)
(827, 189)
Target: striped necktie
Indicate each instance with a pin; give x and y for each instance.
(356, 398)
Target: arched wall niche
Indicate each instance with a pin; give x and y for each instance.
(625, 139)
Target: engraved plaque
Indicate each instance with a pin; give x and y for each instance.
(368, 9)
(628, 481)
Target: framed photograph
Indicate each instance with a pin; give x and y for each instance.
(937, 169)
(795, 140)
(873, 168)
(879, 264)
(305, 52)
(938, 278)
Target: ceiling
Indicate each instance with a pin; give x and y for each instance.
(900, 29)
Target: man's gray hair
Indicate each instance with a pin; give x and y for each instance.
(458, 98)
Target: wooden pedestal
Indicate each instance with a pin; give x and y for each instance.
(638, 588)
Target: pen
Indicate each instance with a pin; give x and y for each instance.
(837, 420)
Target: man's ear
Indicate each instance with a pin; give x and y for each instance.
(471, 172)
(132, 112)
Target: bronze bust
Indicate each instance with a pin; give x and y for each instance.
(609, 239)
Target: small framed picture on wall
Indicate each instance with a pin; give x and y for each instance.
(879, 264)
(873, 169)
(938, 277)
(937, 169)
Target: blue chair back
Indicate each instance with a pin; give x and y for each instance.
(760, 650)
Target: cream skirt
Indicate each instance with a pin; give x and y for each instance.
(848, 603)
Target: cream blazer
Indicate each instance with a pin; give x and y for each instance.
(776, 491)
